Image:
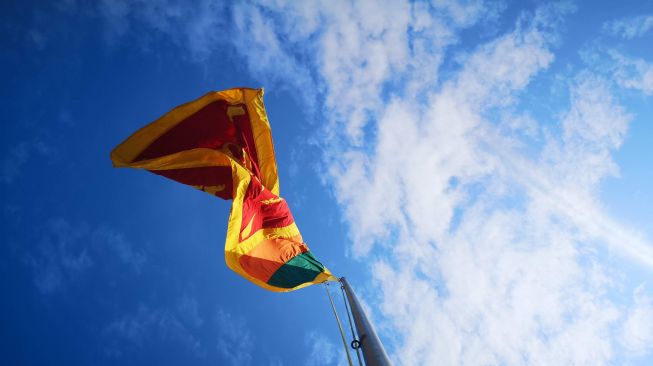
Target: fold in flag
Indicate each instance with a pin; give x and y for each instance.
(221, 144)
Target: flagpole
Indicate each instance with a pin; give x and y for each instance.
(373, 351)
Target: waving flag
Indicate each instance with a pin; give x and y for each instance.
(221, 144)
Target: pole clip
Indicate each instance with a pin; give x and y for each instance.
(355, 344)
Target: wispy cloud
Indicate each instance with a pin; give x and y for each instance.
(633, 73)
(15, 159)
(189, 311)
(210, 29)
(60, 258)
(624, 70)
(638, 327)
(67, 252)
(235, 342)
(196, 28)
(148, 326)
(322, 351)
(630, 27)
(182, 327)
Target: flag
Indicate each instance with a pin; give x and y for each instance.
(221, 144)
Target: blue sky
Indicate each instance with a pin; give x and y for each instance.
(480, 171)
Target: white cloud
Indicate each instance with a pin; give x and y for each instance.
(254, 37)
(440, 141)
(633, 73)
(630, 27)
(623, 70)
(637, 330)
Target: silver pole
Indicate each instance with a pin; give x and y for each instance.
(373, 351)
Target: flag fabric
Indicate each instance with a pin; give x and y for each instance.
(221, 144)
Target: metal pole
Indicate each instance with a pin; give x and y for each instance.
(373, 351)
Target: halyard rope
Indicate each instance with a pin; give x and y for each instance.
(342, 333)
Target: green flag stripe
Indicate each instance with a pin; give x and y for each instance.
(302, 268)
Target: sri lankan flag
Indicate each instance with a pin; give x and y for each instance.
(221, 144)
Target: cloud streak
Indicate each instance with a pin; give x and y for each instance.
(630, 27)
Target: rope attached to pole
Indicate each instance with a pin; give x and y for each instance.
(355, 343)
(342, 333)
